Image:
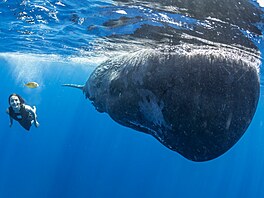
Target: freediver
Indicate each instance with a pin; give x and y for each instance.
(21, 112)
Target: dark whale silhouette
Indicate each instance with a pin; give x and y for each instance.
(194, 87)
(196, 100)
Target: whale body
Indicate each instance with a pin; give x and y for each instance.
(197, 101)
(194, 87)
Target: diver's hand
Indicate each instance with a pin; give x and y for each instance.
(36, 124)
(10, 125)
(34, 109)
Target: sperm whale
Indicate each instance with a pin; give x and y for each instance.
(197, 101)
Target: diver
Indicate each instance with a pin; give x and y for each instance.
(19, 111)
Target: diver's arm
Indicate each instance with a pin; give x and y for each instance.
(33, 112)
(11, 119)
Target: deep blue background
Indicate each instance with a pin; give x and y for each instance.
(78, 152)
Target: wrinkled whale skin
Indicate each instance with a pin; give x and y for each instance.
(197, 101)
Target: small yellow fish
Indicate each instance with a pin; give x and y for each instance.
(31, 84)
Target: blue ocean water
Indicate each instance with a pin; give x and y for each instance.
(78, 152)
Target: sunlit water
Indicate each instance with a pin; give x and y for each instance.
(78, 152)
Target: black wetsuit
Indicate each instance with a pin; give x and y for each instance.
(23, 117)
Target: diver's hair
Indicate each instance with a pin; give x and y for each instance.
(22, 101)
